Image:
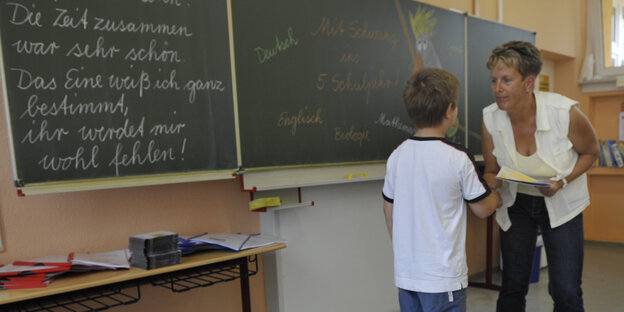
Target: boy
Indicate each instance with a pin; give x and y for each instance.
(428, 180)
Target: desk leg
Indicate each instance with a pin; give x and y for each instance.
(488, 258)
(244, 281)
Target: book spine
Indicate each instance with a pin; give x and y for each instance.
(607, 154)
(620, 148)
(616, 155)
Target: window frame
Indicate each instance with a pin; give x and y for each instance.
(600, 68)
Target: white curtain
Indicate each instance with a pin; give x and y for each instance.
(592, 49)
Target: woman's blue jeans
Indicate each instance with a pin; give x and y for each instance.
(564, 251)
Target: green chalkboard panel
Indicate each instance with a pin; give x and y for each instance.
(483, 37)
(115, 88)
(321, 81)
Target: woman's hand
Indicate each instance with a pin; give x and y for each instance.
(552, 189)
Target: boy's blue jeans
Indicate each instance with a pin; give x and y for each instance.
(564, 251)
(413, 301)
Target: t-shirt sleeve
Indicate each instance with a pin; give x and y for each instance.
(474, 186)
(388, 187)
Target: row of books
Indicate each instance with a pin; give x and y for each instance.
(611, 153)
(41, 272)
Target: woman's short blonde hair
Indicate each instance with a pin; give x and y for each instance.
(521, 55)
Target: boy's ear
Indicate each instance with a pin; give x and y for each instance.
(449, 110)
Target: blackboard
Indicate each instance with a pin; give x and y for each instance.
(483, 37)
(114, 88)
(321, 81)
(105, 89)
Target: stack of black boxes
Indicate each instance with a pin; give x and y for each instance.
(154, 250)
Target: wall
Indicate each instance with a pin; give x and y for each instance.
(97, 221)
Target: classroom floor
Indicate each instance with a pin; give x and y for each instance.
(603, 283)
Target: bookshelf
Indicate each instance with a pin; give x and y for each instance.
(604, 218)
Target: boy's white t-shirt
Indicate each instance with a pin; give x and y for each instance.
(429, 180)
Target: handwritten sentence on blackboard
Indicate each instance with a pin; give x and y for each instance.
(52, 98)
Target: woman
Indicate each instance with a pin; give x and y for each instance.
(546, 136)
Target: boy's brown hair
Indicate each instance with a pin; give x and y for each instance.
(428, 95)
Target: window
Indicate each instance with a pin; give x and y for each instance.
(617, 35)
(609, 37)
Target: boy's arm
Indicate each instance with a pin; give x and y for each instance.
(491, 165)
(486, 206)
(387, 208)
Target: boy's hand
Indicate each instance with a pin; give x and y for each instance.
(499, 199)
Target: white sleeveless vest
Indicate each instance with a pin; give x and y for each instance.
(553, 147)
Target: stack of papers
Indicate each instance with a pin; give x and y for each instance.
(154, 249)
(41, 272)
(29, 276)
(236, 242)
(510, 175)
(112, 260)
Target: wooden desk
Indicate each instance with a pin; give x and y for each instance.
(79, 282)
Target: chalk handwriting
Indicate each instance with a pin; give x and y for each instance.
(395, 123)
(104, 72)
(350, 58)
(74, 81)
(64, 19)
(43, 134)
(265, 54)
(139, 156)
(35, 48)
(27, 81)
(351, 135)
(356, 29)
(202, 85)
(66, 108)
(76, 161)
(108, 25)
(360, 30)
(329, 28)
(97, 51)
(153, 55)
(22, 15)
(171, 2)
(167, 129)
(349, 83)
(287, 119)
(102, 133)
(141, 83)
(168, 84)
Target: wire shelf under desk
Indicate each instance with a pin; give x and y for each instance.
(203, 276)
(94, 299)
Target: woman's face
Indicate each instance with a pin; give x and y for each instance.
(508, 87)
